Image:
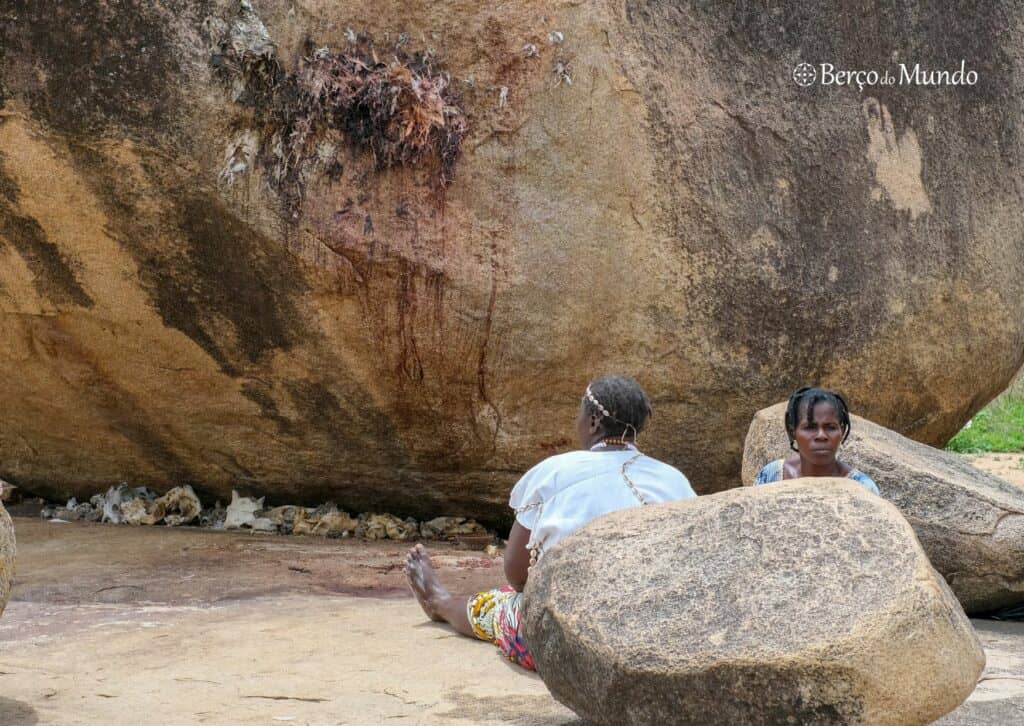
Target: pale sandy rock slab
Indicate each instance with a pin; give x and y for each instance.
(808, 603)
(999, 697)
(969, 522)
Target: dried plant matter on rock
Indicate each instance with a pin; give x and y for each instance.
(399, 105)
(284, 516)
(110, 504)
(180, 506)
(325, 521)
(74, 511)
(806, 602)
(262, 524)
(334, 523)
(242, 511)
(137, 506)
(969, 522)
(386, 526)
(140, 511)
(450, 526)
(213, 517)
(246, 57)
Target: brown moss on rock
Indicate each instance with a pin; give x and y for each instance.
(53, 275)
(93, 67)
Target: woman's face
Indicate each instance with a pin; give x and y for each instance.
(819, 442)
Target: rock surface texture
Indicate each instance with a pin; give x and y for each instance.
(209, 277)
(807, 603)
(7, 554)
(969, 522)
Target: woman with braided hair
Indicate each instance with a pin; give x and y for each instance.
(817, 422)
(552, 500)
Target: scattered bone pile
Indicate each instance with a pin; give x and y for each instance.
(180, 506)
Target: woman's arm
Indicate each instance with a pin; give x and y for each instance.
(517, 557)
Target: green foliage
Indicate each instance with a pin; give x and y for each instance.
(999, 427)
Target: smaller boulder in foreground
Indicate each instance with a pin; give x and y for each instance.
(7, 552)
(969, 522)
(807, 602)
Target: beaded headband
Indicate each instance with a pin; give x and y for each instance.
(593, 400)
(604, 412)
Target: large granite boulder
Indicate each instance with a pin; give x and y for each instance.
(214, 272)
(7, 554)
(969, 522)
(807, 602)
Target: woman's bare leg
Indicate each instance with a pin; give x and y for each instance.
(436, 601)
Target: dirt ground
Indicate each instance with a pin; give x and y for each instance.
(115, 624)
(121, 625)
(1006, 466)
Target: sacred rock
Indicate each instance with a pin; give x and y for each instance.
(372, 252)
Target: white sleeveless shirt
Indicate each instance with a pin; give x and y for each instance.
(564, 492)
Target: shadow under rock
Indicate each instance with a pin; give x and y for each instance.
(17, 713)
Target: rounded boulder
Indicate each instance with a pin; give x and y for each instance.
(7, 554)
(804, 602)
(970, 523)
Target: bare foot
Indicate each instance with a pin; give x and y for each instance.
(419, 570)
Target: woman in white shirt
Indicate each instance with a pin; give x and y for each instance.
(552, 500)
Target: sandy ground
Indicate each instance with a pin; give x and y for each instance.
(1006, 466)
(122, 625)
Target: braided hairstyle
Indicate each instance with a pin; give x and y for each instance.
(625, 401)
(805, 399)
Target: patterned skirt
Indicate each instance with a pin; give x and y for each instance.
(495, 617)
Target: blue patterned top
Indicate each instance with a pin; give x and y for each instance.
(772, 472)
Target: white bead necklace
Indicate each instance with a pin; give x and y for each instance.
(535, 548)
(625, 477)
